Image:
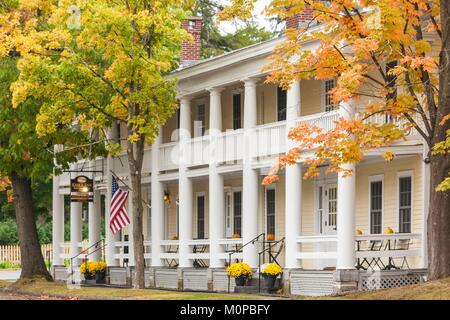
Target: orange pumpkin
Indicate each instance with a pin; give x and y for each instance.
(236, 236)
(270, 237)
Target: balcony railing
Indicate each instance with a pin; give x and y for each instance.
(265, 140)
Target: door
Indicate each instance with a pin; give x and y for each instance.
(327, 216)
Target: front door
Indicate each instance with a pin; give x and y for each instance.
(327, 216)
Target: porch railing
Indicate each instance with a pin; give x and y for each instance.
(386, 247)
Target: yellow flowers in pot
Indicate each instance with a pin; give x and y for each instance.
(239, 269)
(93, 267)
(272, 270)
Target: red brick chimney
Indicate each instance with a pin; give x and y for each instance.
(191, 51)
(296, 20)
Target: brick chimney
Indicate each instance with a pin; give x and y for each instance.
(298, 19)
(191, 51)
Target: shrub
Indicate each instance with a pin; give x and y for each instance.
(8, 232)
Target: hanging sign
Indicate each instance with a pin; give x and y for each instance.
(81, 189)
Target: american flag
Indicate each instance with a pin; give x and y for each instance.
(118, 216)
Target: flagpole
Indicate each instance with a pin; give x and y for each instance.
(131, 189)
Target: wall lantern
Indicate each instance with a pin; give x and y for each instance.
(166, 197)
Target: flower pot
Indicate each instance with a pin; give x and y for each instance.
(100, 277)
(240, 281)
(270, 282)
(88, 276)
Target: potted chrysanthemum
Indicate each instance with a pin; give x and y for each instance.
(270, 272)
(241, 272)
(98, 269)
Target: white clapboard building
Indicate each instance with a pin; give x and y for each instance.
(202, 183)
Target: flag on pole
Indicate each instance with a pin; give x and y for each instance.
(118, 215)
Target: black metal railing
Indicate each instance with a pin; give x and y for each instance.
(99, 245)
(272, 256)
(238, 250)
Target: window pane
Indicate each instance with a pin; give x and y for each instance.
(282, 102)
(329, 85)
(270, 209)
(376, 204)
(405, 191)
(237, 206)
(201, 217)
(237, 111)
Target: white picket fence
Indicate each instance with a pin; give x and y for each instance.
(11, 253)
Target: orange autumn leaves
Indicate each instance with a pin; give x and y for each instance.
(345, 143)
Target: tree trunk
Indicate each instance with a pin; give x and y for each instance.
(138, 237)
(31, 257)
(135, 159)
(439, 213)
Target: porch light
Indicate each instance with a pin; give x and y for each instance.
(166, 197)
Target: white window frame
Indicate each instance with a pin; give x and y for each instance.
(324, 92)
(271, 187)
(241, 93)
(404, 174)
(197, 195)
(198, 103)
(376, 178)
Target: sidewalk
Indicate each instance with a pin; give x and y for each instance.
(10, 275)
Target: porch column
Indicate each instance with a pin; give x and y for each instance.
(185, 185)
(111, 238)
(216, 185)
(346, 208)
(94, 226)
(293, 177)
(250, 181)
(157, 205)
(57, 219)
(75, 227)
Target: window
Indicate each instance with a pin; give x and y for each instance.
(404, 207)
(201, 217)
(376, 206)
(328, 102)
(270, 211)
(237, 111)
(282, 103)
(200, 120)
(391, 80)
(237, 207)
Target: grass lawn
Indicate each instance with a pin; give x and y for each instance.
(425, 291)
(49, 288)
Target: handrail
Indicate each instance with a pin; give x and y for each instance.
(269, 249)
(85, 255)
(237, 250)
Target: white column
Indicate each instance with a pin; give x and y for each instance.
(185, 186)
(157, 205)
(75, 227)
(94, 226)
(111, 238)
(250, 181)
(216, 184)
(346, 208)
(293, 176)
(57, 220)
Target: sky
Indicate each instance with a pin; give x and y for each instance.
(229, 27)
